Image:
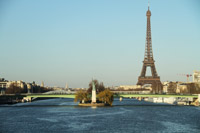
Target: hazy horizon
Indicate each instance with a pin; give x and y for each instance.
(71, 42)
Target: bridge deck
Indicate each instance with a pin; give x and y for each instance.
(53, 95)
(117, 95)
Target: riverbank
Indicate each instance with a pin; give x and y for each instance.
(173, 100)
(11, 99)
(92, 104)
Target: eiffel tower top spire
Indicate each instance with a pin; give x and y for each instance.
(148, 12)
(148, 48)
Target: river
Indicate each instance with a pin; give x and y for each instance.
(129, 115)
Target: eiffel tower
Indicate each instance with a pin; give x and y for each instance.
(154, 80)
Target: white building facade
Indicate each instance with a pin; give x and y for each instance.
(196, 76)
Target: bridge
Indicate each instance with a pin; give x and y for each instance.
(156, 97)
(115, 95)
(71, 94)
(125, 94)
(51, 95)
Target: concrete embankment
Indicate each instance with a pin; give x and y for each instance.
(6, 99)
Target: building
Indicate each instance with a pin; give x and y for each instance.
(170, 87)
(181, 88)
(196, 76)
(165, 87)
(18, 83)
(66, 87)
(3, 83)
(130, 87)
(42, 84)
(30, 87)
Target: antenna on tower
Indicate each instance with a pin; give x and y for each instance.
(148, 4)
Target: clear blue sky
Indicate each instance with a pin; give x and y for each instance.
(71, 41)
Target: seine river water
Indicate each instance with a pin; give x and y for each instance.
(63, 115)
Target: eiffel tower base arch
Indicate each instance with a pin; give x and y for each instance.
(157, 87)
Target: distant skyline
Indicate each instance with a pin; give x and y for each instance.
(71, 42)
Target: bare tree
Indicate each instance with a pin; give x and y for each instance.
(99, 86)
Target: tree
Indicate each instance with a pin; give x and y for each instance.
(81, 95)
(13, 89)
(106, 96)
(172, 87)
(99, 86)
